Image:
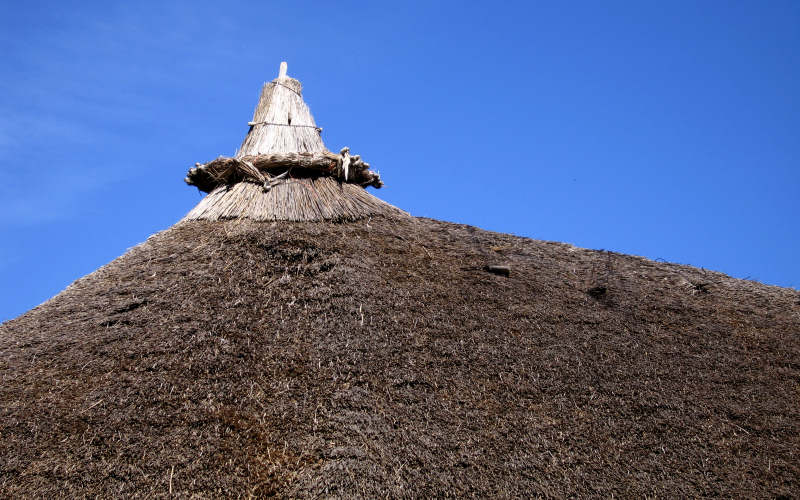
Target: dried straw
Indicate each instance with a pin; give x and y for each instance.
(281, 122)
(283, 134)
(378, 358)
(262, 168)
(308, 199)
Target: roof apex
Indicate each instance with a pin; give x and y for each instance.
(282, 122)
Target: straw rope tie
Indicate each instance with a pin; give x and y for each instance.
(288, 87)
(266, 180)
(262, 169)
(319, 129)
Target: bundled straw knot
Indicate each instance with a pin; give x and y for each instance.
(270, 170)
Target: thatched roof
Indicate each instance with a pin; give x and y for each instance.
(282, 121)
(309, 199)
(381, 358)
(283, 153)
(386, 355)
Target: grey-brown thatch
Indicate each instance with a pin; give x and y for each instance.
(282, 171)
(260, 353)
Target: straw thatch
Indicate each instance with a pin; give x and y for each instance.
(309, 199)
(284, 154)
(399, 357)
(281, 122)
(263, 169)
(390, 356)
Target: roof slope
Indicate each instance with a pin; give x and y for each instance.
(378, 357)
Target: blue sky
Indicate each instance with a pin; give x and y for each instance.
(663, 129)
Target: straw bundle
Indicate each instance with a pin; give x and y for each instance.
(281, 121)
(283, 171)
(311, 199)
(261, 168)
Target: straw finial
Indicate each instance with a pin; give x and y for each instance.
(282, 73)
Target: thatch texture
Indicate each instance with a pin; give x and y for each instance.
(284, 154)
(380, 358)
(268, 170)
(307, 199)
(281, 122)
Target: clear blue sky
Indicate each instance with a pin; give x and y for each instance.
(669, 130)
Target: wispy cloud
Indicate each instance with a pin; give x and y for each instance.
(48, 166)
(58, 195)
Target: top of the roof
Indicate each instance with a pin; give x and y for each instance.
(283, 171)
(282, 122)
